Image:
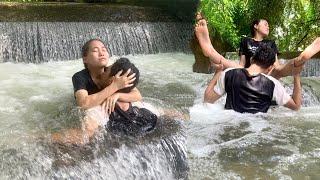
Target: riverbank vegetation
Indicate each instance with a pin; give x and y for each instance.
(294, 23)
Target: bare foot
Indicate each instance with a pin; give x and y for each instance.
(202, 33)
(199, 16)
(310, 51)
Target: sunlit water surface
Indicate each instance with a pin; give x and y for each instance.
(37, 99)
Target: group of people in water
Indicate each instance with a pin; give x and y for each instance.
(251, 86)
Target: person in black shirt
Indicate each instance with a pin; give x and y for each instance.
(124, 117)
(88, 83)
(251, 90)
(91, 90)
(248, 46)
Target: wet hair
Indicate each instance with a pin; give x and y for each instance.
(264, 57)
(86, 46)
(124, 64)
(252, 28)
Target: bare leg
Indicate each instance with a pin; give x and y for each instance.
(77, 136)
(286, 69)
(202, 33)
(310, 51)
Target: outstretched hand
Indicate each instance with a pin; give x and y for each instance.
(125, 80)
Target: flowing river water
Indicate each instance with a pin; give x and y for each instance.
(208, 143)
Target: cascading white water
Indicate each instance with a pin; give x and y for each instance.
(37, 99)
(44, 41)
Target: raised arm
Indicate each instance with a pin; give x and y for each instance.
(242, 61)
(295, 102)
(210, 96)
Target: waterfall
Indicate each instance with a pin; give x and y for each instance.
(35, 42)
(311, 68)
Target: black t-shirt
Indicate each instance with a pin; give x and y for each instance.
(248, 47)
(135, 121)
(83, 80)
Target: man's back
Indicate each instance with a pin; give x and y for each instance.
(246, 93)
(250, 93)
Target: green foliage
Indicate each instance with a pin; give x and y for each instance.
(294, 23)
(301, 25)
(221, 15)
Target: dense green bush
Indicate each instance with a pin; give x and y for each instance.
(294, 23)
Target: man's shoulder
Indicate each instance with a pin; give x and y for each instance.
(233, 70)
(274, 80)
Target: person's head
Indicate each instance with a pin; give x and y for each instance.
(94, 54)
(259, 26)
(264, 57)
(124, 64)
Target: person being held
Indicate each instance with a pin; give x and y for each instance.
(251, 90)
(124, 117)
(89, 89)
(248, 46)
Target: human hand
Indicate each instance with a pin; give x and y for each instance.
(296, 70)
(218, 67)
(124, 81)
(109, 104)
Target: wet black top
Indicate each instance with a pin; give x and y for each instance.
(247, 93)
(135, 121)
(248, 47)
(83, 80)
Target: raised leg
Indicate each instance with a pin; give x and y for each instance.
(310, 51)
(283, 70)
(202, 33)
